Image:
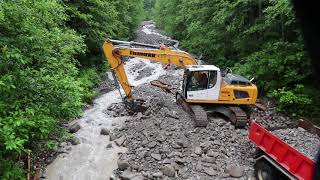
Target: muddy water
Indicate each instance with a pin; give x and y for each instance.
(91, 160)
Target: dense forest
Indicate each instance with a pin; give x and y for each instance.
(258, 39)
(50, 61)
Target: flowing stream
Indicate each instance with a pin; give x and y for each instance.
(91, 160)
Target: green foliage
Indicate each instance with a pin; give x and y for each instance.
(293, 101)
(88, 79)
(97, 20)
(41, 84)
(259, 39)
(278, 64)
(11, 170)
(149, 8)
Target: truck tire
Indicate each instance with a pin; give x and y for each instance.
(265, 171)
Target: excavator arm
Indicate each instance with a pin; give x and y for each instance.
(115, 50)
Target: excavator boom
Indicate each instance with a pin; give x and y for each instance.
(203, 85)
(114, 50)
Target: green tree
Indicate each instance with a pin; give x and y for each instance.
(42, 45)
(258, 39)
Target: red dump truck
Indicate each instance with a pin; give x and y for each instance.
(276, 159)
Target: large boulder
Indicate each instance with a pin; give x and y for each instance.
(75, 141)
(128, 175)
(74, 128)
(122, 164)
(168, 170)
(235, 171)
(104, 131)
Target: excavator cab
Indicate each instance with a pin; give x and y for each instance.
(201, 82)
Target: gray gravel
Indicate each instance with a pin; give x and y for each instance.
(301, 140)
(164, 144)
(158, 142)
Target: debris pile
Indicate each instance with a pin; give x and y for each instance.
(116, 110)
(301, 140)
(163, 142)
(270, 118)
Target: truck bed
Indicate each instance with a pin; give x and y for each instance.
(289, 158)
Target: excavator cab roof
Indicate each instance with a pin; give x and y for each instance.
(202, 68)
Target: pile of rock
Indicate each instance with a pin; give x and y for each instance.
(116, 110)
(301, 140)
(270, 118)
(163, 142)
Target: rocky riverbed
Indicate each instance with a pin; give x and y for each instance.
(162, 142)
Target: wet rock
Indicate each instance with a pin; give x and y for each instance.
(74, 128)
(211, 153)
(198, 150)
(210, 171)
(112, 137)
(199, 166)
(208, 159)
(171, 116)
(112, 177)
(105, 131)
(75, 141)
(152, 144)
(182, 143)
(182, 171)
(167, 161)
(156, 156)
(161, 138)
(235, 171)
(139, 115)
(157, 174)
(109, 146)
(128, 175)
(120, 141)
(168, 170)
(122, 164)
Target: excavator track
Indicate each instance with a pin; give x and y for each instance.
(240, 117)
(197, 113)
(235, 114)
(200, 116)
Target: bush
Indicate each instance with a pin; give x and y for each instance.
(88, 79)
(41, 83)
(292, 101)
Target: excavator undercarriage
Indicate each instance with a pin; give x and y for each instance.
(199, 113)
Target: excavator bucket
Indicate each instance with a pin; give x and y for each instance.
(135, 106)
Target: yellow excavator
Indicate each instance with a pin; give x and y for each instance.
(205, 89)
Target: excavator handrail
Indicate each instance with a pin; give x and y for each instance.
(132, 43)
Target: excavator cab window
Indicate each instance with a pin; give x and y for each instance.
(201, 80)
(212, 79)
